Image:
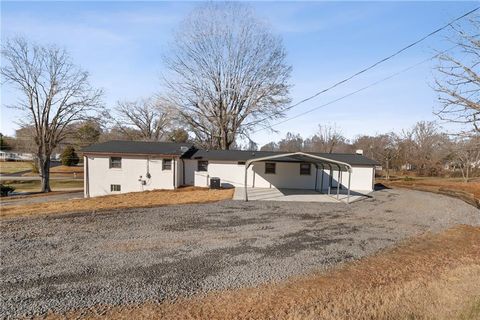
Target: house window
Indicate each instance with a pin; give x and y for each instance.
(202, 165)
(115, 188)
(241, 163)
(167, 164)
(305, 169)
(115, 162)
(270, 167)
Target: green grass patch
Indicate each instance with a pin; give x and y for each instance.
(15, 166)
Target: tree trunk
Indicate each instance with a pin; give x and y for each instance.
(44, 167)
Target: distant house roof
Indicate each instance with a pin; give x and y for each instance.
(240, 155)
(188, 151)
(139, 147)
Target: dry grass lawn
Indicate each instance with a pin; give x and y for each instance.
(63, 171)
(121, 201)
(431, 277)
(66, 169)
(14, 166)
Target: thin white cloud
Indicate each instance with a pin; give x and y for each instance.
(291, 18)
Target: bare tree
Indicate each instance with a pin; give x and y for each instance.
(383, 148)
(179, 135)
(228, 73)
(429, 147)
(328, 139)
(150, 117)
(271, 146)
(458, 80)
(291, 143)
(466, 156)
(55, 93)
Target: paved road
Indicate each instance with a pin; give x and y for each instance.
(13, 201)
(36, 178)
(130, 256)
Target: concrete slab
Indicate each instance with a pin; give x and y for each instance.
(299, 195)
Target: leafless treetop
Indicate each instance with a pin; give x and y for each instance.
(227, 71)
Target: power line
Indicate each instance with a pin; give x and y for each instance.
(376, 63)
(357, 91)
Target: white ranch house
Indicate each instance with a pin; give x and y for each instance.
(130, 166)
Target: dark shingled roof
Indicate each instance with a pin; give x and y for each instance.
(238, 155)
(190, 152)
(139, 147)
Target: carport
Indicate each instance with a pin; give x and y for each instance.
(321, 163)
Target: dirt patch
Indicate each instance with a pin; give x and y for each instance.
(431, 277)
(129, 200)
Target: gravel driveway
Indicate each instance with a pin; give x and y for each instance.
(128, 256)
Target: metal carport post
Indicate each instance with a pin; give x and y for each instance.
(338, 182)
(321, 179)
(347, 166)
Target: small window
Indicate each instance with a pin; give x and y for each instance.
(115, 162)
(115, 188)
(241, 163)
(167, 164)
(305, 169)
(202, 165)
(270, 167)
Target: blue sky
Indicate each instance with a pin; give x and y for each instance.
(121, 43)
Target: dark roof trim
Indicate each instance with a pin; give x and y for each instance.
(189, 151)
(139, 148)
(240, 155)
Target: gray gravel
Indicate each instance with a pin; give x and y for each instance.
(61, 262)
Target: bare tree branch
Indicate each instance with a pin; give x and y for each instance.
(227, 71)
(55, 93)
(458, 81)
(151, 117)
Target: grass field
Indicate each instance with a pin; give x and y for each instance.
(127, 200)
(430, 277)
(34, 186)
(14, 166)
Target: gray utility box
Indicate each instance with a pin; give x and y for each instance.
(214, 183)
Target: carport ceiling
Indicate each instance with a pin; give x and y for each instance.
(304, 157)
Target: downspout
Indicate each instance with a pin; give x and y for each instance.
(174, 177)
(349, 178)
(316, 176)
(183, 171)
(373, 178)
(245, 185)
(87, 178)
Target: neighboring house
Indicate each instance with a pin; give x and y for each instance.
(128, 166)
(15, 156)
